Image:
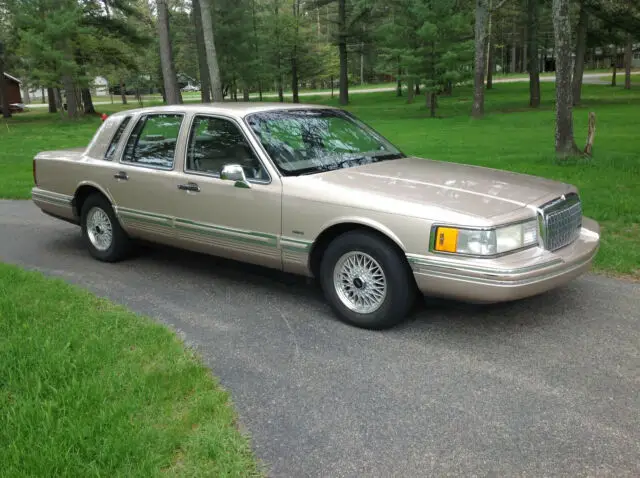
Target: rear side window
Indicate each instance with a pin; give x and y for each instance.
(152, 142)
(116, 139)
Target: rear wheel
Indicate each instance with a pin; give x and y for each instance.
(367, 281)
(101, 231)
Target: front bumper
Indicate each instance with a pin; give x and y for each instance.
(511, 277)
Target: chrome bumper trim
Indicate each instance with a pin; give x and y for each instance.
(424, 264)
(51, 197)
(503, 280)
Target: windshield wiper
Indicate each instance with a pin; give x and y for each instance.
(340, 164)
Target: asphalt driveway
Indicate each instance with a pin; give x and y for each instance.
(548, 386)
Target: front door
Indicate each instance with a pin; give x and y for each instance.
(215, 215)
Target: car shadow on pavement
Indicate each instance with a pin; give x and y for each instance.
(428, 312)
(428, 315)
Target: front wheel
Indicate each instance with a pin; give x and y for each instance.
(367, 281)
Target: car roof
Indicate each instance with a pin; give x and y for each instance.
(238, 109)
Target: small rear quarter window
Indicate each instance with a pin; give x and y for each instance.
(116, 139)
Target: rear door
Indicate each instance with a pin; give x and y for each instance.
(143, 180)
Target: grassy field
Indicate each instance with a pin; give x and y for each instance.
(90, 389)
(511, 137)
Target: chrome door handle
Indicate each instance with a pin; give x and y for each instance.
(121, 175)
(189, 187)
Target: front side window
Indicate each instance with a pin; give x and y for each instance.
(153, 140)
(116, 138)
(216, 142)
(317, 140)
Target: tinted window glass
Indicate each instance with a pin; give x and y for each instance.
(116, 139)
(153, 140)
(214, 142)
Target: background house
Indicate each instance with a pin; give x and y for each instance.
(13, 88)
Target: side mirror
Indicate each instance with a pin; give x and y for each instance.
(234, 172)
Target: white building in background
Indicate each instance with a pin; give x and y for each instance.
(100, 86)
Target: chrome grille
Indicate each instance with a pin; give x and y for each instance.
(561, 221)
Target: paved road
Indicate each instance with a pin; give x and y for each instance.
(548, 386)
(595, 78)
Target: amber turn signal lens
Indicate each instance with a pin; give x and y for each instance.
(446, 239)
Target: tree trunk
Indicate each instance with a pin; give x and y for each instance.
(448, 88)
(417, 88)
(4, 93)
(565, 143)
(490, 62)
(245, 94)
(58, 99)
(362, 63)
(27, 97)
(294, 55)
(614, 64)
(581, 50)
(410, 90)
(534, 75)
(210, 47)
(280, 90)
(294, 79)
(123, 92)
(87, 101)
(69, 88)
(482, 14)
(525, 52)
(166, 56)
(257, 48)
(513, 49)
(399, 81)
(205, 87)
(52, 101)
(432, 103)
(342, 50)
(628, 56)
(79, 101)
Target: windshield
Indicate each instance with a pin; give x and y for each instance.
(316, 140)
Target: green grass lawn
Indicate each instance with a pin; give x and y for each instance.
(512, 137)
(90, 389)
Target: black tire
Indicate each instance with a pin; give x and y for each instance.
(121, 244)
(400, 290)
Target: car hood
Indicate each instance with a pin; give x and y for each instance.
(431, 189)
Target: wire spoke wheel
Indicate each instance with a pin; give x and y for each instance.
(360, 282)
(99, 229)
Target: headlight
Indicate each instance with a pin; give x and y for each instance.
(486, 242)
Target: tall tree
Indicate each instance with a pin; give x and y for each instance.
(205, 85)
(534, 62)
(482, 16)
(295, 80)
(210, 48)
(4, 96)
(170, 80)
(628, 57)
(484, 8)
(342, 51)
(564, 140)
(581, 51)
